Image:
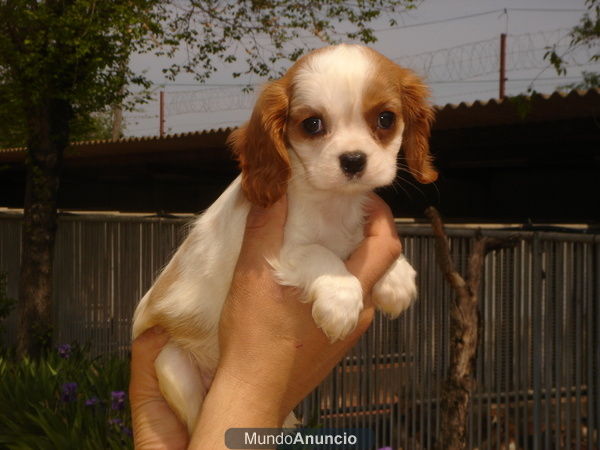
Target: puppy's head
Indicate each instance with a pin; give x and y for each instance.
(344, 111)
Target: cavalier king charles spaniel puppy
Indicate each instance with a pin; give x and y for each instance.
(327, 133)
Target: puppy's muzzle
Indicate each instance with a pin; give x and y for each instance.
(353, 163)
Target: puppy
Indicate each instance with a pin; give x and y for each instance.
(328, 133)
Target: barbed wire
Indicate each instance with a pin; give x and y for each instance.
(524, 51)
(459, 63)
(208, 100)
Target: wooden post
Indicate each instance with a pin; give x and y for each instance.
(502, 65)
(162, 113)
(117, 122)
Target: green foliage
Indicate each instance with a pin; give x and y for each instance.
(591, 80)
(586, 33)
(91, 127)
(84, 127)
(74, 51)
(263, 32)
(523, 103)
(79, 50)
(42, 408)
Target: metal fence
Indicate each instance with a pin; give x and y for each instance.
(538, 366)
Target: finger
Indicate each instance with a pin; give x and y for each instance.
(380, 220)
(264, 231)
(144, 350)
(148, 345)
(380, 248)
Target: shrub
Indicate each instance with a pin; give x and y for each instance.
(65, 400)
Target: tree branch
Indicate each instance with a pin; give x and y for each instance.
(465, 329)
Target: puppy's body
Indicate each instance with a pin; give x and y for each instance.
(322, 133)
(198, 277)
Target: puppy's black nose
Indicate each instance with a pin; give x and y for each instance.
(353, 162)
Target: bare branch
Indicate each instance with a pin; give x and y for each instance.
(465, 329)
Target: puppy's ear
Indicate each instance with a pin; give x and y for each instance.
(417, 115)
(259, 146)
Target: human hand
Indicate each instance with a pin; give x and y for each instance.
(154, 423)
(272, 353)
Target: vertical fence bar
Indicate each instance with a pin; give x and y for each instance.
(548, 298)
(561, 262)
(594, 430)
(569, 363)
(518, 333)
(574, 387)
(537, 337)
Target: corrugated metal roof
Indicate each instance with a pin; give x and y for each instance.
(519, 109)
(137, 139)
(494, 112)
(206, 139)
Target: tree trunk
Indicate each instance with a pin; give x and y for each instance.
(48, 137)
(465, 329)
(460, 380)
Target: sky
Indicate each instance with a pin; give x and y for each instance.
(453, 44)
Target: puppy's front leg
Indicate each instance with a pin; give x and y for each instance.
(336, 294)
(397, 289)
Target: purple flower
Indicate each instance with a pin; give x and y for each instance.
(68, 392)
(118, 399)
(118, 423)
(64, 351)
(92, 401)
(115, 421)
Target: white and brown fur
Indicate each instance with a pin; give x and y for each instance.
(346, 87)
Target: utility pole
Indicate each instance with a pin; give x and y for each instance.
(117, 108)
(502, 65)
(117, 122)
(162, 113)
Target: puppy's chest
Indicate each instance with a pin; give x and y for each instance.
(339, 230)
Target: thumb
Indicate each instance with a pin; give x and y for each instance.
(144, 350)
(263, 235)
(380, 247)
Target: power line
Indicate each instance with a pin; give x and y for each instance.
(547, 9)
(169, 84)
(485, 13)
(509, 80)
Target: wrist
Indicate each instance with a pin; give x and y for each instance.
(255, 402)
(232, 402)
(261, 375)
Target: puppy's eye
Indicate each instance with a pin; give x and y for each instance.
(386, 119)
(312, 125)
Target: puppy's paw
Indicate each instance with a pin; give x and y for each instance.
(396, 291)
(337, 304)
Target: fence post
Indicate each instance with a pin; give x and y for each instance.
(536, 350)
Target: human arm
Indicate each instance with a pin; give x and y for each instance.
(154, 424)
(272, 353)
